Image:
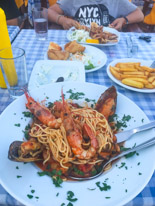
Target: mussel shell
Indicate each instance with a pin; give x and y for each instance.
(14, 153)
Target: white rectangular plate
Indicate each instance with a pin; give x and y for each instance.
(47, 72)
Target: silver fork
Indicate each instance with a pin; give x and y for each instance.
(139, 147)
(123, 136)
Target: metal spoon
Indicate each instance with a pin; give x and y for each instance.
(139, 147)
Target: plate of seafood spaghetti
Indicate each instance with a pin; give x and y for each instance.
(63, 130)
(94, 35)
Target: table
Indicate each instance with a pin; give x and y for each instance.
(35, 50)
(13, 32)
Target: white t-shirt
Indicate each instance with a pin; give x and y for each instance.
(102, 12)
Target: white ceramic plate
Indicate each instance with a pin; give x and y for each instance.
(138, 169)
(111, 30)
(46, 72)
(98, 57)
(143, 63)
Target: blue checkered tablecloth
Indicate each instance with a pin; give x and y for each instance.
(35, 50)
(13, 32)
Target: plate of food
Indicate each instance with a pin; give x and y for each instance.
(95, 35)
(133, 74)
(92, 58)
(51, 159)
(47, 72)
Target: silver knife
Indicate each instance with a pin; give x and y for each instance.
(123, 136)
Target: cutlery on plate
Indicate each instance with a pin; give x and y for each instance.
(139, 147)
(123, 136)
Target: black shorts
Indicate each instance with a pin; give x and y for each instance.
(10, 8)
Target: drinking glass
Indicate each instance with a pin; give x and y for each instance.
(40, 19)
(13, 66)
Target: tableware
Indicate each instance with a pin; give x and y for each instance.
(111, 30)
(47, 71)
(14, 70)
(143, 62)
(23, 177)
(4, 42)
(40, 20)
(125, 135)
(153, 64)
(132, 47)
(97, 57)
(143, 145)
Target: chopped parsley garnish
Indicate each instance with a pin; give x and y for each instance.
(107, 197)
(89, 66)
(32, 191)
(140, 173)
(126, 190)
(122, 165)
(18, 176)
(91, 189)
(105, 187)
(138, 163)
(69, 204)
(62, 204)
(50, 104)
(57, 194)
(55, 175)
(26, 132)
(70, 196)
(27, 114)
(36, 197)
(119, 123)
(17, 167)
(90, 100)
(125, 149)
(77, 171)
(142, 120)
(77, 95)
(30, 196)
(17, 125)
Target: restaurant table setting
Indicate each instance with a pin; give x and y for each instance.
(36, 50)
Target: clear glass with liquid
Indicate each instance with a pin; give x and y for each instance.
(40, 19)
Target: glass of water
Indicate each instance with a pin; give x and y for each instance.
(13, 67)
(40, 20)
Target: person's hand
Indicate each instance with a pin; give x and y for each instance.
(67, 23)
(118, 23)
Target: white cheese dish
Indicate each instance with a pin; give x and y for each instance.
(47, 72)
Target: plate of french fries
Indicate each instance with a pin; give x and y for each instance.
(133, 74)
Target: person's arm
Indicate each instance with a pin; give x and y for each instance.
(56, 15)
(134, 17)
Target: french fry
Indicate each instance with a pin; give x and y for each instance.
(152, 74)
(144, 81)
(133, 83)
(153, 83)
(151, 79)
(127, 64)
(116, 69)
(116, 74)
(134, 73)
(149, 86)
(127, 69)
(123, 76)
(147, 68)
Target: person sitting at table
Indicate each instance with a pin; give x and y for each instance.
(117, 13)
(11, 11)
